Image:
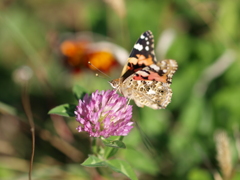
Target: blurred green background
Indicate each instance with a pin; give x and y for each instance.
(202, 36)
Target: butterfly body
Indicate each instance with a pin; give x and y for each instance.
(145, 80)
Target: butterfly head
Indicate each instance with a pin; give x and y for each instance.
(116, 83)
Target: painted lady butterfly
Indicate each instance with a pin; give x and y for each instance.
(145, 80)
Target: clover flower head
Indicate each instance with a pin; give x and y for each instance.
(104, 113)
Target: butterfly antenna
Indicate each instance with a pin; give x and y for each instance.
(97, 75)
(108, 77)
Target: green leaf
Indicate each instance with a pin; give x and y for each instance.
(122, 167)
(114, 144)
(66, 110)
(115, 164)
(93, 161)
(109, 152)
(79, 91)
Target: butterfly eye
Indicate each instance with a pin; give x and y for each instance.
(115, 83)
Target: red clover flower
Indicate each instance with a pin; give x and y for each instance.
(105, 114)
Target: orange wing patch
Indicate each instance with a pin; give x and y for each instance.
(141, 75)
(140, 60)
(143, 60)
(136, 64)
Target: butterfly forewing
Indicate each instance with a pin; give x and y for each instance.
(142, 54)
(144, 46)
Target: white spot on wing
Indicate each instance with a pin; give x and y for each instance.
(138, 46)
(155, 67)
(147, 48)
(163, 63)
(142, 73)
(142, 36)
(151, 92)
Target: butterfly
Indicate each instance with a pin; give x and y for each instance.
(144, 79)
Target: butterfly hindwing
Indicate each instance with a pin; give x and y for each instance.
(162, 71)
(150, 86)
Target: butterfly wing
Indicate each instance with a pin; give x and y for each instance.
(144, 46)
(150, 86)
(142, 55)
(144, 80)
(162, 71)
